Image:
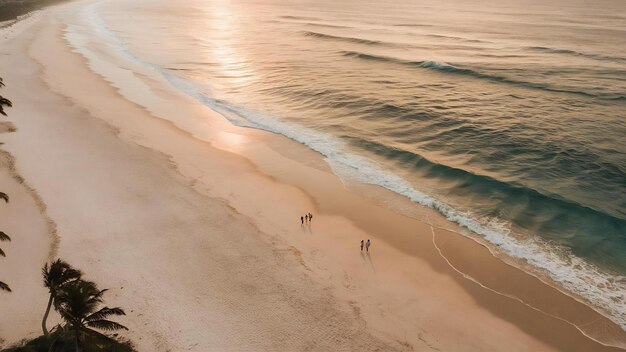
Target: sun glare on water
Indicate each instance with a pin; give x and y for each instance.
(235, 68)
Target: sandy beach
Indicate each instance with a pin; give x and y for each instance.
(194, 225)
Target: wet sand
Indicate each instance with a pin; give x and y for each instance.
(193, 224)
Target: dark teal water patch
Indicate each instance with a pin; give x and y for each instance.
(587, 232)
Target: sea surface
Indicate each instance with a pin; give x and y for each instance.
(508, 117)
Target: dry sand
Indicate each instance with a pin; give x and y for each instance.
(193, 224)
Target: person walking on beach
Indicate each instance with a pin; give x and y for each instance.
(362, 245)
(302, 220)
(367, 246)
(310, 216)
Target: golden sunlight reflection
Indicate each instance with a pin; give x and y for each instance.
(234, 67)
(232, 141)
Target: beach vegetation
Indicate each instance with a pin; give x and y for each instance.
(3, 236)
(61, 339)
(4, 101)
(55, 276)
(86, 320)
(78, 304)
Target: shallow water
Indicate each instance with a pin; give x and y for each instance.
(509, 118)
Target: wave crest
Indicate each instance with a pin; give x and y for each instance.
(448, 68)
(345, 39)
(577, 53)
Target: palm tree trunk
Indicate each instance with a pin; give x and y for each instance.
(45, 316)
(53, 345)
(78, 349)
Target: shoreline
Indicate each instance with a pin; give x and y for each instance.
(554, 264)
(245, 170)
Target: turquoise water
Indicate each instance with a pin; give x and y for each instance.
(509, 117)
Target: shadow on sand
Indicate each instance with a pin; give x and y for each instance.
(368, 259)
(306, 228)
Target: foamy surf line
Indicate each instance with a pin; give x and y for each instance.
(597, 288)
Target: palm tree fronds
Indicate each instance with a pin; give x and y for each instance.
(4, 102)
(4, 236)
(95, 298)
(55, 277)
(4, 196)
(105, 313)
(59, 273)
(106, 325)
(77, 302)
(4, 287)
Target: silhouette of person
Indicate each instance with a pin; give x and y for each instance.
(302, 220)
(367, 246)
(310, 216)
(362, 245)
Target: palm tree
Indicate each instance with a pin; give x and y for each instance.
(4, 101)
(55, 276)
(78, 302)
(4, 236)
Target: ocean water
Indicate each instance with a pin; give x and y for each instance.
(508, 117)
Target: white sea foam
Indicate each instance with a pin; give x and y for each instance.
(605, 291)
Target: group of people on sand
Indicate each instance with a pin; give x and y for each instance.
(307, 217)
(366, 245)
